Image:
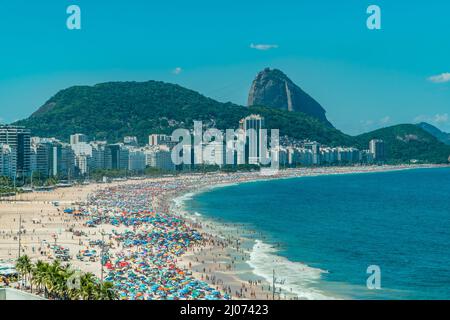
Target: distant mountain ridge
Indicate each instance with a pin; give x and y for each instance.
(406, 142)
(272, 88)
(117, 109)
(442, 136)
(113, 110)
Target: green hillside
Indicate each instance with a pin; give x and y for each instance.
(113, 110)
(407, 141)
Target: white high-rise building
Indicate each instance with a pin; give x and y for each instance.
(377, 148)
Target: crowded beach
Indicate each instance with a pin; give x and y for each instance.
(134, 235)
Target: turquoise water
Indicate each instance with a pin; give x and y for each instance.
(327, 230)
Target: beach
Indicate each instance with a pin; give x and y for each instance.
(153, 248)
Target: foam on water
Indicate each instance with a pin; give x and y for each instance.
(296, 278)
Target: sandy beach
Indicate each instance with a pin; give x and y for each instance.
(155, 250)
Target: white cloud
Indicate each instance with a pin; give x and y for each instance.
(441, 118)
(440, 78)
(263, 47)
(385, 120)
(177, 70)
(434, 119)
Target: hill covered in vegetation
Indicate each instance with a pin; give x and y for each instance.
(405, 142)
(110, 111)
(113, 110)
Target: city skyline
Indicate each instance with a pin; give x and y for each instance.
(23, 155)
(346, 67)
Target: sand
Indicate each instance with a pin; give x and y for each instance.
(217, 260)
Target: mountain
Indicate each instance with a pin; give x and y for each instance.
(113, 110)
(440, 135)
(272, 88)
(407, 141)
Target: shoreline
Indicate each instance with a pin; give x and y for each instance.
(220, 259)
(263, 280)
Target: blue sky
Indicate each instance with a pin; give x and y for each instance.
(364, 79)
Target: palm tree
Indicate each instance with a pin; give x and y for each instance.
(38, 272)
(50, 278)
(55, 279)
(24, 266)
(87, 282)
(105, 291)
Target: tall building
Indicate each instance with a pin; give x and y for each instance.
(252, 126)
(136, 160)
(43, 159)
(116, 157)
(82, 164)
(54, 159)
(19, 140)
(7, 161)
(83, 154)
(315, 149)
(160, 158)
(78, 138)
(98, 160)
(377, 148)
(214, 153)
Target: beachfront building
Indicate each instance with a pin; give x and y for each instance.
(315, 149)
(116, 156)
(97, 160)
(280, 156)
(7, 161)
(348, 155)
(235, 151)
(305, 157)
(159, 157)
(83, 155)
(19, 140)
(329, 156)
(136, 160)
(214, 153)
(82, 164)
(377, 148)
(53, 158)
(367, 157)
(252, 128)
(42, 152)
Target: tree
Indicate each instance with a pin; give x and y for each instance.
(24, 267)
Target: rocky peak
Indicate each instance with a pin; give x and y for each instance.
(272, 88)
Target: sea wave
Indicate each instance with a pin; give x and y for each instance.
(294, 277)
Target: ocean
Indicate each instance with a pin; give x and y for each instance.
(320, 234)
